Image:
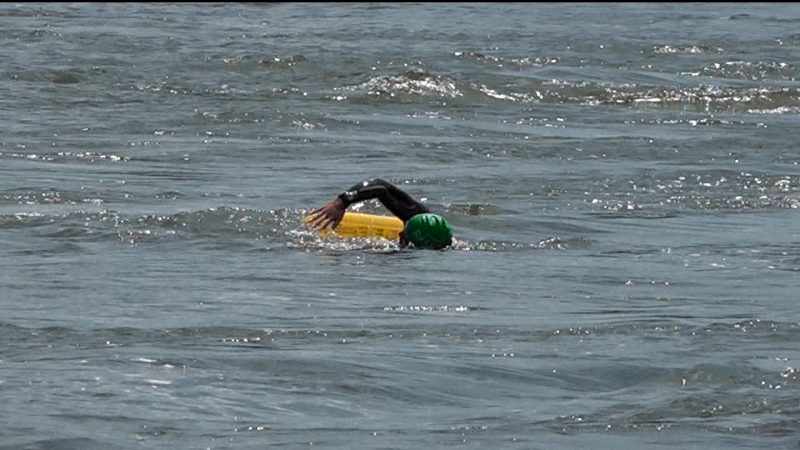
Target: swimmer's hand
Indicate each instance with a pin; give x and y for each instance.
(328, 216)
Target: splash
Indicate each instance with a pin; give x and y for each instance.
(413, 82)
(685, 49)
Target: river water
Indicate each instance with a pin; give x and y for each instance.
(622, 180)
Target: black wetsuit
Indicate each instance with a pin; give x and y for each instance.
(395, 200)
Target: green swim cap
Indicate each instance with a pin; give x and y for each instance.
(428, 231)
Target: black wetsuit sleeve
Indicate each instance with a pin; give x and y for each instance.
(398, 202)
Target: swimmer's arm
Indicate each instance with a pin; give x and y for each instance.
(395, 200)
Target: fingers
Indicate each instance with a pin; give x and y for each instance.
(316, 221)
(327, 216)
(319, 220)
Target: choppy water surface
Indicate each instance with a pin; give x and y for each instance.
(623, 181)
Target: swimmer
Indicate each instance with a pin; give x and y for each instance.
(421, 228)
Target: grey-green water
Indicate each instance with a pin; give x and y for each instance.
(623, 182)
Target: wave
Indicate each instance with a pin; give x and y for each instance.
(713, 191)
(760, 70)
(764, 331)
(274, 62)
(268, 230)
(684, 49)
(66, 156)
(499, 61)
(793, 40)
(415, 84)
(89, 215)
(705, 97)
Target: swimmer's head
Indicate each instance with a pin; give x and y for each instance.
(428, 231)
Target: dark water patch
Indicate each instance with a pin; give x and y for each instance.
(752, 409)
(774, 428)
(291, 122)
(277, 63)
(169, 195)
(164, 89)
(426, 181)
(62, 444)
(472, 209)
(65, 77)
(59, 249)
(499, 61)
(56, 338)
(765, 331)
(709, 121)
(56, 76)
(231, 117)
(38, 34)
(792, 40)
(755, 330)
(250, 61)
